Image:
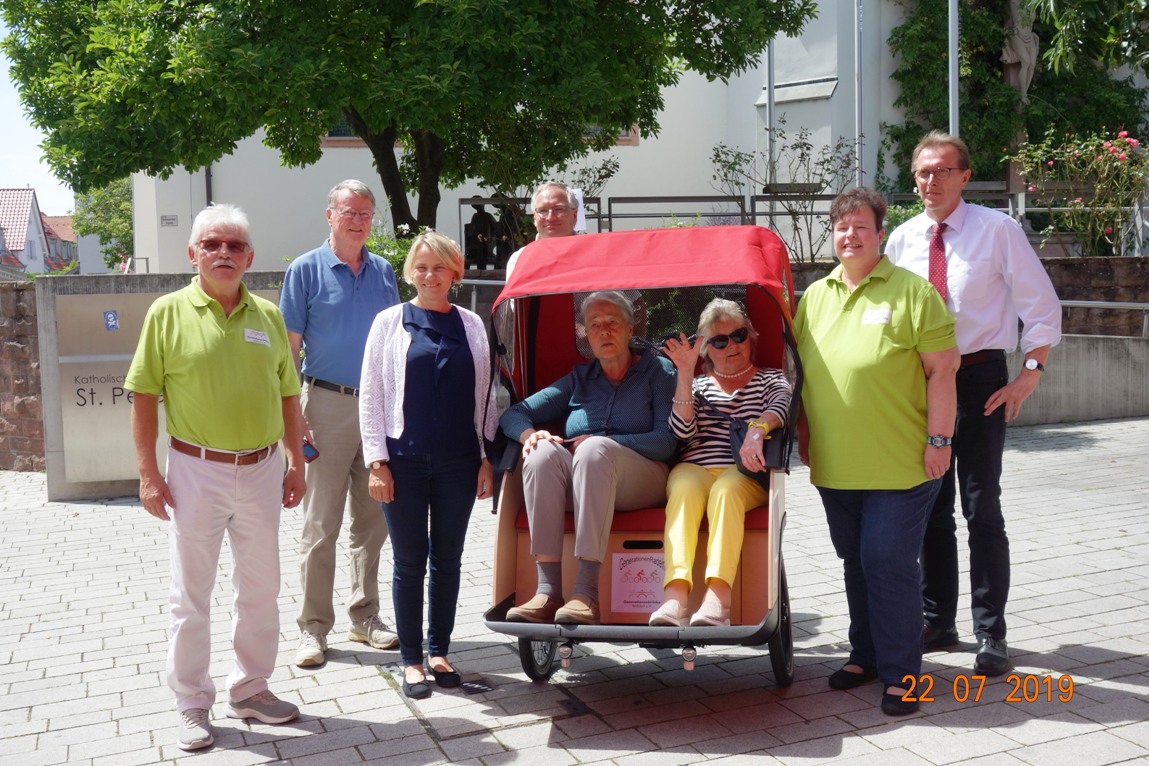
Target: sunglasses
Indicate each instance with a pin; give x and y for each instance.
(738, 336)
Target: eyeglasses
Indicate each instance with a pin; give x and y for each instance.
(939, 174)
(547, 212)
(216, 245)
(356, 215)
(738, 336)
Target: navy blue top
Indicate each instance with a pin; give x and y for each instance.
(439, 395)
(634, 413)
(333, 310)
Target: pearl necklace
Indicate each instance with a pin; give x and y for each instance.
(738, 374)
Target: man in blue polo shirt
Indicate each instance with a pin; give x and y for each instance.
(330, 297)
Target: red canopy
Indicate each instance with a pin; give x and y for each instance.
(652, 258)
(549, 271)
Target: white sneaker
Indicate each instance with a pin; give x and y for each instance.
(265, 707)
(373, 631)
(195, 730)
(312, 650)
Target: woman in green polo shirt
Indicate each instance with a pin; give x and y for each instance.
(878, 348)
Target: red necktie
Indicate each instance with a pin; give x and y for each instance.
(938, 261)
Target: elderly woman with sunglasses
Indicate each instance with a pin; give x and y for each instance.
(707, 481)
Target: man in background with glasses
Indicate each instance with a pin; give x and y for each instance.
(219, 356)
(330, 298)
(983, 266)
(555, 208)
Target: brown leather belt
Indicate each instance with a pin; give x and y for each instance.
(332, 386)
(983, 356)
(232, 458)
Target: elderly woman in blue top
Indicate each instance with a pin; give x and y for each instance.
(425, 409)
(616, 436)
(706, 480)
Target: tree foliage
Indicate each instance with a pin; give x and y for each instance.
(1113, 32)
(992, 118)
(107, 213)
(987, 103)
(499, 90)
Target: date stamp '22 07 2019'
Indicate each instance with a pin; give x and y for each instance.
(1022, 688)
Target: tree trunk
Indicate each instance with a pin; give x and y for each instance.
(429, 160)
(382, 147)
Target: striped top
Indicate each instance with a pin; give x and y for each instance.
(707, 435)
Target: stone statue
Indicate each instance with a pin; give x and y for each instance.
(1020, 53)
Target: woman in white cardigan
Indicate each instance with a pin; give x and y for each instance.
(425, 409)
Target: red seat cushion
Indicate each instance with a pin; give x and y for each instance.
(649, 520)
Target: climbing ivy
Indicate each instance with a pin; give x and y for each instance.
(990, 118)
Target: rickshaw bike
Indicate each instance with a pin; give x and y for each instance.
(669, 275)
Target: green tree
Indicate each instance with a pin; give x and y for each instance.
(1113, 32)
(498, 90)
(988, 104)
(1078, 101)
(107, 213)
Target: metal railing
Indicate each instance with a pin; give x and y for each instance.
(492, 287)
(1114, 305)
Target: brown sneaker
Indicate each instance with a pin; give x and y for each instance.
(578, 611)
(539, 609)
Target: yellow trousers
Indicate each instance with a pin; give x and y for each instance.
(724, 495)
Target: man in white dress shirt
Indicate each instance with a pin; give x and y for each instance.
(989, 276)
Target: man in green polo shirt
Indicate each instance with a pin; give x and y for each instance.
(219, 357)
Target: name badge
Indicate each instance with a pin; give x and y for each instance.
(256, 336)
(876, 316)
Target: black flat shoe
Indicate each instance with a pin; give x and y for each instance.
(893, 704)
(417, 690)
(448, 679)
(844, 679)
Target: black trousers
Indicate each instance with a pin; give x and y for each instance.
(975, 471)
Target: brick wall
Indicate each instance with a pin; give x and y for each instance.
(21, 423)
(1076, 279)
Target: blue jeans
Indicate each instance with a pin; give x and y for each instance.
(428, 520)
(878, 534)
(979, 442)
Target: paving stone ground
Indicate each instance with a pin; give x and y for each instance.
(83, 595)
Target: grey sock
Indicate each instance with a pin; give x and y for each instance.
(550, 578)
(586, 582)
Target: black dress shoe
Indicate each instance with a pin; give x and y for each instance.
(845, 679)
(992, 657)
(934, 637)
(893, 704)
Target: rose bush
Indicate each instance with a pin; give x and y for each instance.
(1092, 186)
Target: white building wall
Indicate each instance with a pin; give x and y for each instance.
(90, 257)
(35, 243)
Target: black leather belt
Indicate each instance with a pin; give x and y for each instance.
(332, 386)
(232, 458)
(983, 356)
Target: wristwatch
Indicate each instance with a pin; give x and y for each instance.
(939, 441)
(1033, 364)
(763, 424)
(378, 464)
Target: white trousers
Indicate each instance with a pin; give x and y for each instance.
(245, 502)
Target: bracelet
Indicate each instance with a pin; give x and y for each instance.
(683, 401)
